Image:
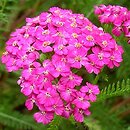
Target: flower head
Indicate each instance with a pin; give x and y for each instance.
(51, 51)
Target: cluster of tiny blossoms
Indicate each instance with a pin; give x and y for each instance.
(70, 41)
(116, 15)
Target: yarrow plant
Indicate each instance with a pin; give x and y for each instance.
(118, 16)
(69, 41)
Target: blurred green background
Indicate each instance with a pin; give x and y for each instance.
(112, 109)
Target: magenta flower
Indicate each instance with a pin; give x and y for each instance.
(44, 117)
(44, 18)
(31, 69)
(67, 93)
(13, 45)
(100, 57)
(87, 39)
(78, 46)
(72, 80)
(30, 102)
(50, 51)
(61, 36)
(57, 106)
(91, 90)
(126, 27)
(115, 59)
(67, 111)
(10, 63)
(44, 46)
(44, 34)
(118, 16)
(42, 81)
(60, 49)
(77, 58)
(117, 31)
(106, 42)
(27, 88)
(91, 66)
(46, 97)
(59, 58)
(60, 68)
(81, 101)
(32, 21)
(79, 114)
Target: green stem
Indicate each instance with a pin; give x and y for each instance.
(80, 126)
(3, 5)
(96, 79)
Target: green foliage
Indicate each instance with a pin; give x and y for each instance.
(54, 125)
(124, 69)
(101, 113)
(128, 128)
(15, 120)
(115, 89)
(92, 124)
(7, 8)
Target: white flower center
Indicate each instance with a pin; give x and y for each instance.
(75, 35)
(100, 56)
(90, 38)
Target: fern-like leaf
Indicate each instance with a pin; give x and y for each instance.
(54, 125)
(92, 124)
(15, 120)
(115, 89)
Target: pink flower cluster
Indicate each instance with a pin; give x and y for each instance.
(116, 15)
(69, 41)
